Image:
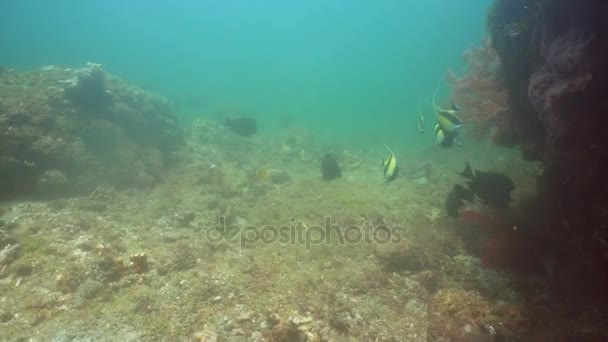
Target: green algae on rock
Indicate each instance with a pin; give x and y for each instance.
(69, 131)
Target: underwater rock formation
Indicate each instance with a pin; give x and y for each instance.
(511, 26)
(68, 131)
(556, 71)
(88, 89)
(558, 87)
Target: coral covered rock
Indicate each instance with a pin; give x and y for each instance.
(559, 84)
(69, 131)
(88, 88)
(480, 92)
(409, 255)
(460, 315)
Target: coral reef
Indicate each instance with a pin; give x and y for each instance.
(480, 92)
(156, 263)
(213, 251)
(560, 86)
(512, 25)
(477, 320)
(88, 89)
(68, 131)
(555, 68)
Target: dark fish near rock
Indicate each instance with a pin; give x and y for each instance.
(493, 188)
(454, 202)
(243, 126)
(330, 168)
(463, 193)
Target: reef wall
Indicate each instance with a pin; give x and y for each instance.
(65, 131)
(554, 65)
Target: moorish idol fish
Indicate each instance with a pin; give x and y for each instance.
(420, 120)
(447, 118)
(390, 167)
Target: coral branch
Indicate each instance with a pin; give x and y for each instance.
(479, 91)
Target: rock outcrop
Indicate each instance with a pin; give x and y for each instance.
(65, 131)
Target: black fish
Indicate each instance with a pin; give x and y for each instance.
(243, 126)
(453, 203)
(448, 141)
(444, 138)
(330, 168)
(493, 188)
(462, 193)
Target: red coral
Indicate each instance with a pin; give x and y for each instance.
(506, 246)
(557, 87)
(479, 91)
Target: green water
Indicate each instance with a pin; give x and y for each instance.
(350, 71)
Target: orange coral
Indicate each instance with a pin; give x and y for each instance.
(479, 91)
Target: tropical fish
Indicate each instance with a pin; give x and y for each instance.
(243, 126)
(420, 120)
(421, 124)
(493, 188)
(330, 168)
(261, 175)
(438, 133)
(443, 138)
(453, 203)
(463, 193)
(447, 118)
(390, 167)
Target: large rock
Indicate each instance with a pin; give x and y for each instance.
(86, 126)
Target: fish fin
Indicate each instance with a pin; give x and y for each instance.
(435, 106)
(388, 148)
(448, 120)
(455, 106)
(468, 172)
(468, 195)
(439, 137)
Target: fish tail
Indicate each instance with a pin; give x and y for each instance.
(468, 172)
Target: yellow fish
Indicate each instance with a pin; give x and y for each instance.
(390, 167)
(261, 175)
(447, 118)
(438, 133)
(420, 120)
(443, 138)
